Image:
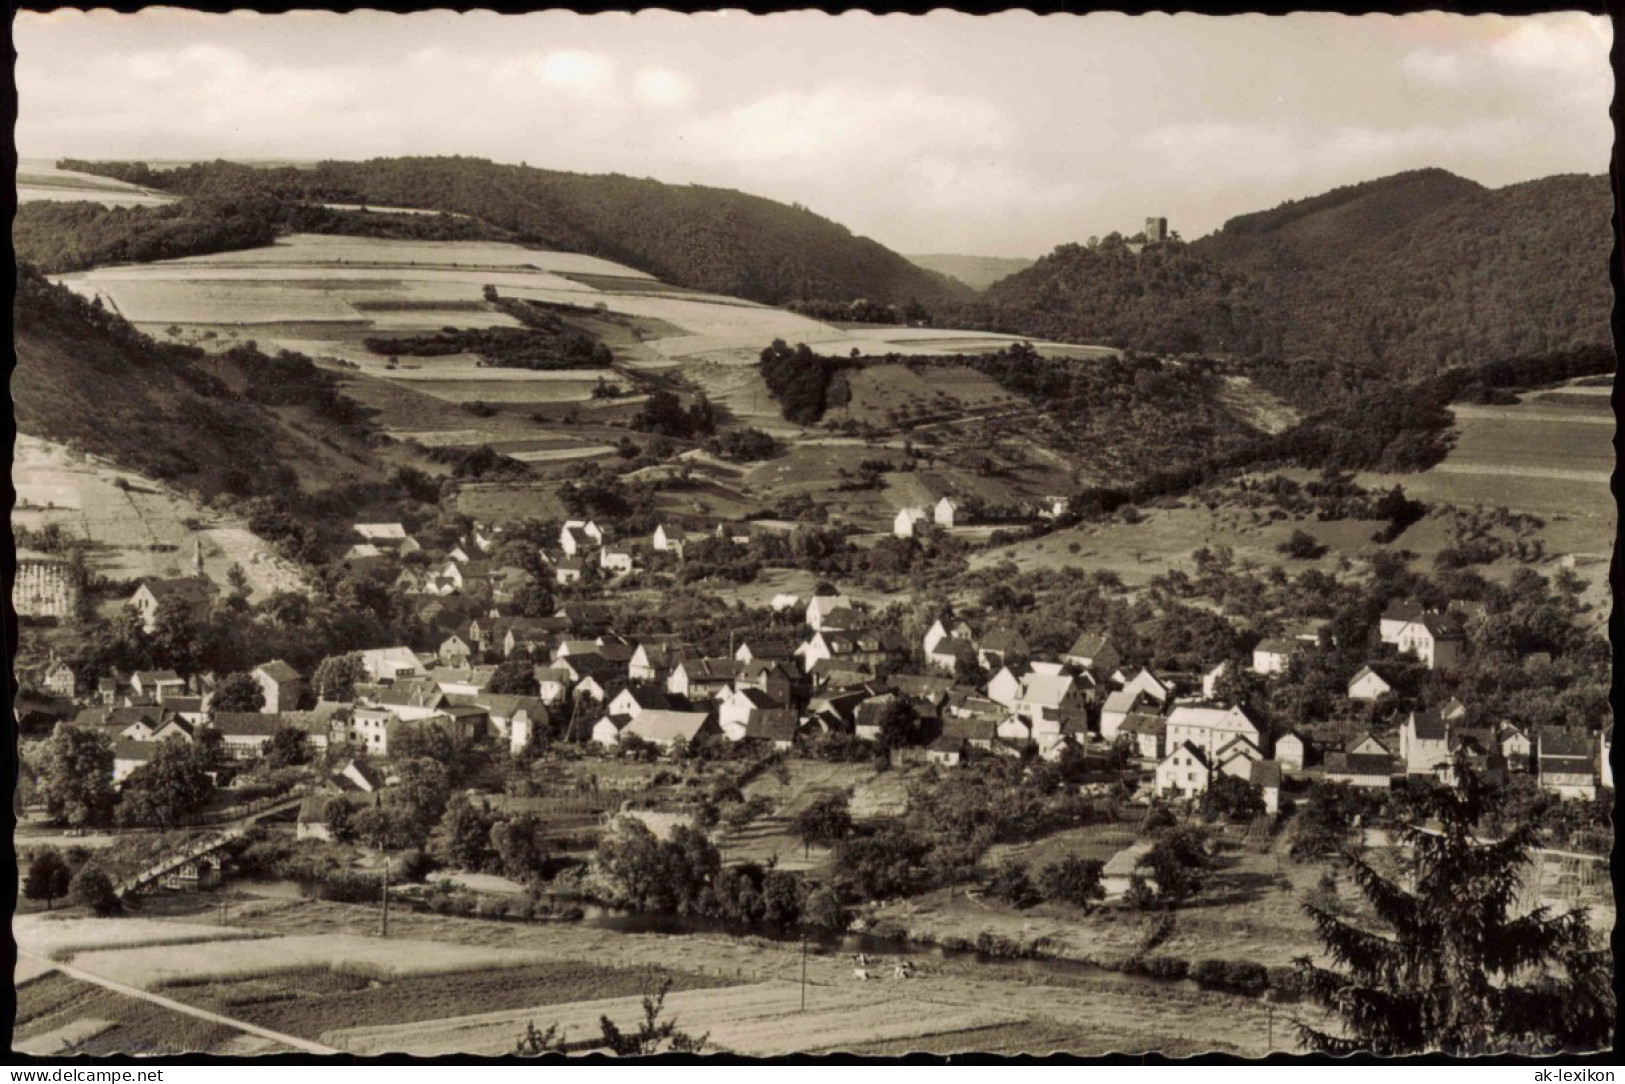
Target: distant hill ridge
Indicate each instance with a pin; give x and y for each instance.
(977, 272)
(713, 239)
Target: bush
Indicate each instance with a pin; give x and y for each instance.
(1164, 967)
(1239, 976)
(94, 889)
(1210, 973)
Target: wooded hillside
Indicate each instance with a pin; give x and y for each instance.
(711, 239)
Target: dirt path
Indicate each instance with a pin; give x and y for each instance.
(176, 1006)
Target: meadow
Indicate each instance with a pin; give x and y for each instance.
(41, 180)
(368, 957)
(58, 937)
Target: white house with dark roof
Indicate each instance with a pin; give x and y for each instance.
(821, 606)
(1424, 742)
(1272, 655)
(1437, 640)
(908, 521)
(1211, 728)
(1185, 772)
(945, 512)
(1368, 685)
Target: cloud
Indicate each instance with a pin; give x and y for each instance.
(663, 88)
(579, 72)
(852, 125)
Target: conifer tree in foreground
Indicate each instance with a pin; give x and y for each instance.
(1450, 967)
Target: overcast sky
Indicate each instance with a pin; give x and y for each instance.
(1002, 135)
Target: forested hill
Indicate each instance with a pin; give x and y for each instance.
(1413, 273)
(708, 238)
(237, 424)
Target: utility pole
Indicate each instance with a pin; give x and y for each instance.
(803, 972)
(1271, 1026)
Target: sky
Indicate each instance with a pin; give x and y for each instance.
(999, 135)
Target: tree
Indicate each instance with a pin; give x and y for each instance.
(239, 692)
(76, 777)
(1450, 968)
(899, 724)
(94, 889)
(336, 677)
(287, 748)
(1176, 862)
(420, 797)
(177, 637)
(1302, 546)
(520, 844)
(1073, 880)
(465, 834)
(48, 877)
(825, 822)
(1011, 884)
(171, 788)
(515, 677)
(1233, 798)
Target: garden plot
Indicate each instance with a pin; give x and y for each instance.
(185, 964)
(759, 1019)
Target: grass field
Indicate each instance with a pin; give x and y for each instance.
(59, 937)
(369, 957)
(41, 181)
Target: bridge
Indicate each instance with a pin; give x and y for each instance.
(207, 845)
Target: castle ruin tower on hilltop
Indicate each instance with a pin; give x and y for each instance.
(1156, 230)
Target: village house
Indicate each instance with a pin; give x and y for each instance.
(1368, 763)
(701, 679)
(939, 632)
(60, 679)
(1000, 646)
(1004, 688)
(194, 593)
(951, 653)
(1149, 684)
(775, 727)
(633, 700)
(1211, 728)
(945, 512)
(1272, 655)
(753, 650)
(243, 734)
(1093, 651)
(1436, 640)
(362, 551)
(662, 728)
(908, 521)
(784, 603)
(128, 756)
(1514, 744)
(665, 541)
(1566, 762)
(387, 664)
(1237, 756)
(372, 728)
(515, 718)
(577, 535)
(1185, 772)
(156, 686)
(1211, 679)
(1368, 685)
(1424, 742)
(1146, 730)
(282, 685)
(867, 718)
(734, 708)
(454, 651)
(1289, 751)
(1396, 617)
(1053, 698)
(1119, 703)
(616, 558)
(821, 606)
(177, 728)
(553, 683)
(947, 749)
(1266, 776)
(568, 570)
(410, 698)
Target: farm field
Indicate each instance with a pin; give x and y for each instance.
(761, 1019)
(40, 180)
(312, 1002)
(57, 1007)
(138, 527)
(773, 837)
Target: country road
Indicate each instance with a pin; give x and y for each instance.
(175, 1006)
